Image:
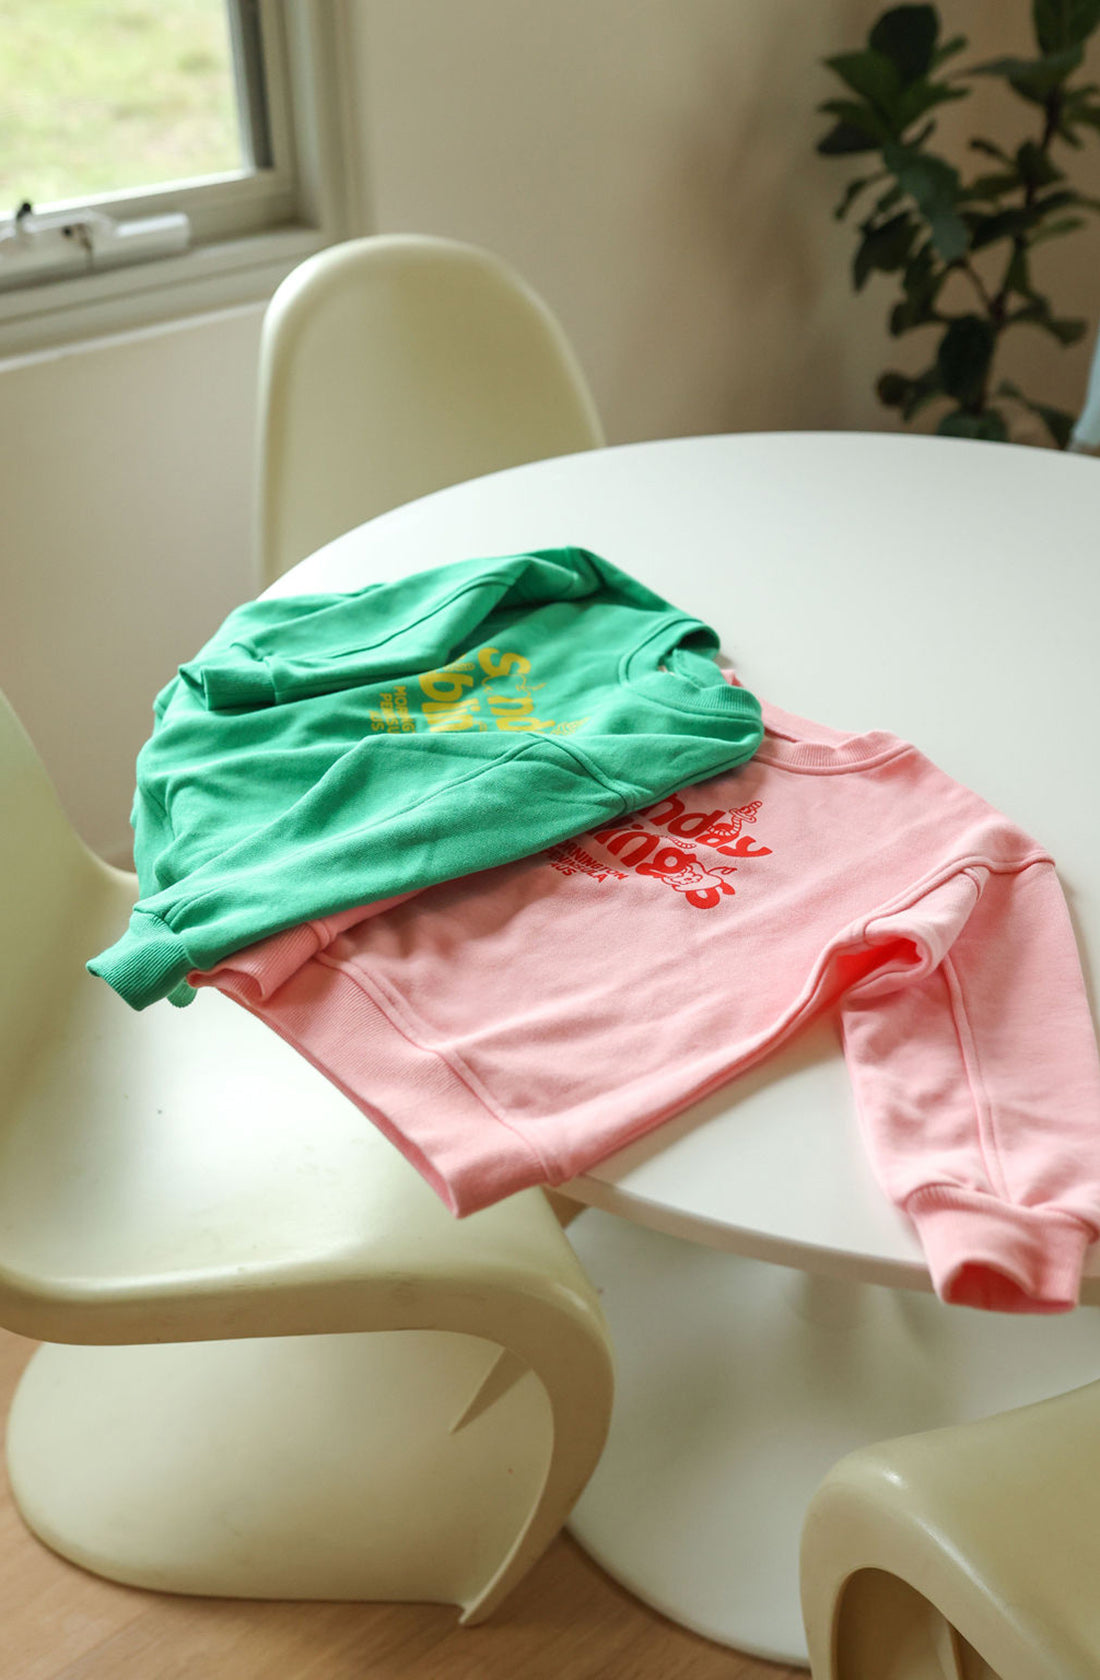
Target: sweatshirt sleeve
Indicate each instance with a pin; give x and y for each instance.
(974, 1061)
(357, 836)
(272, 652)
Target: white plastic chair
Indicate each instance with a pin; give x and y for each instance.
(394, 366)
(308, 1379)
(970, 1553)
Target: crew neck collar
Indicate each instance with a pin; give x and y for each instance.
(797, 744)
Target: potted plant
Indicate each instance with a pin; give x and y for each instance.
(928, 223)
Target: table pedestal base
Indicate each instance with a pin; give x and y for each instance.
(741, 1383)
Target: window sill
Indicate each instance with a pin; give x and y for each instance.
(215, 276)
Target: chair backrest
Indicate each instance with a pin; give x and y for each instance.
(47, 877)
(394, 366)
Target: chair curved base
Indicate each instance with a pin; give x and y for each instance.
(741, 1383)
(316, 1467)
(888, 1631)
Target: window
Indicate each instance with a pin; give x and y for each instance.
(159, 157)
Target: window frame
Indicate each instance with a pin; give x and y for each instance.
(248, 228)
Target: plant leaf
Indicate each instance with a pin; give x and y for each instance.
(932, 182)
(922, 278)
(885, 247)
(1037, 312)
(1068, 134)
(1084, 110)
(957, 44)
(1063, 23)
(988, 147)
(852, 192)
(1034, 166)
(909, 394)
(859, 114)
(921, 283)
(888, 199)
(1056, 420)
(1063, 196)
(934, 185)
(989, 425)
(1012, 224)
(1077, 106)
(893, 388)
(920, 97)
(870, 74)
(844, 140)
(910, 313)
(1000, 67)
(907, 36)
(1033, 78)
(1067, 330)
(1002, 224)
(858, 128)
(921, 135)
(964, 355)
(950, 235)
(926, 388)
(1018, 273)
(1054, 230)
(991, 186)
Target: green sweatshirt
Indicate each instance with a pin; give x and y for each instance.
(325, 751)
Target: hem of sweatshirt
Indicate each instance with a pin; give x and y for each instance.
(469, 1156)
(983, 1252)
(147, 963)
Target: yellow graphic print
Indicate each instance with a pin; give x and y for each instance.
(490, 690)
(394, 714)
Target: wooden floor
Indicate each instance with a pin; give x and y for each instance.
(566, 1621)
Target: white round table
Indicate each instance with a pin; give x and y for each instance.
(770, 1309)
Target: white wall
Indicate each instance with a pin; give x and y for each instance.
(648, 164)
(651, 163)
(125, 469)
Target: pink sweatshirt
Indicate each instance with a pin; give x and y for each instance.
(517, 1026)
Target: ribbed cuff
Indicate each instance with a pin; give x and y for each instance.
(230, 680)
(147, 963)
(982, 1252)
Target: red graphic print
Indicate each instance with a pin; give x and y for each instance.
(642, 844)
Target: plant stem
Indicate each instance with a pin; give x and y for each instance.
(998, 304)
(967, 267)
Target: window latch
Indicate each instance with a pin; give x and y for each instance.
(55, 244)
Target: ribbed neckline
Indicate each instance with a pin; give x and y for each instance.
(797, 744)
(660, 668)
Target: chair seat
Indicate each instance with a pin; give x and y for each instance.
(182, 1176)
(985, 1536)
(154, 1166)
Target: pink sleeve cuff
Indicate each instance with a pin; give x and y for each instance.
(982, 1252)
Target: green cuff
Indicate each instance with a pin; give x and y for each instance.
(147, 963)
(231, 680)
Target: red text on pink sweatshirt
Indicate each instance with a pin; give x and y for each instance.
(517, 1026)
